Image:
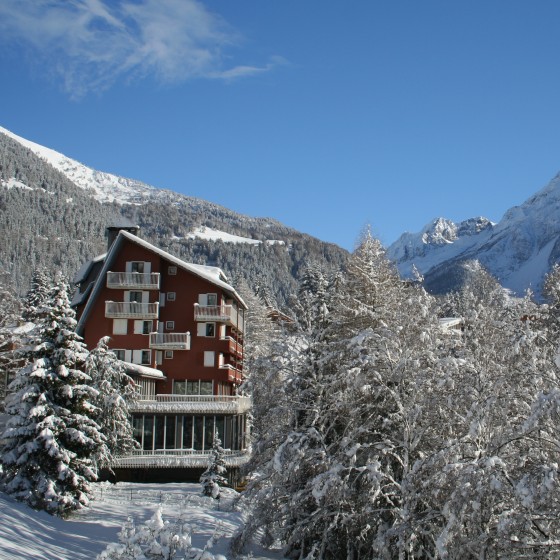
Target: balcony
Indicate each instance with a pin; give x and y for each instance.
(183, 458)
(233, 347)
(133, 280)
(131, 310)
(170, 341)
(220, 313)
(195, 404)
(234, 374)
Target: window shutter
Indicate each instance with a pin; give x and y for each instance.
(209, 358)
(120, 326)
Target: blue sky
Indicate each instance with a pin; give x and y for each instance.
(324, 115)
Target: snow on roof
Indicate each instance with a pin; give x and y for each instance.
(79, 297)
(143, 371)
(211, 273)
(81, 275)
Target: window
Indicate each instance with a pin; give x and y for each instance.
(206, 387)
(135, 297)
(137, 267)
(143, 327)
(120, 326)
(206, 329)
(169, 325)
(171, 296)
(146, 357)
(169, 354)
(179, 387)
(209, 358)
(212, 299)
(196, 387)
(143, 357)
(172, 271)
(119, 354)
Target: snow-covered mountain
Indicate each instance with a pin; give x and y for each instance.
(519, 250)
(104, 187)
(55, 211)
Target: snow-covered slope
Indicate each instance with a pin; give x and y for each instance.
(103, 186)
(210, 234)
(519, 250)
(106, 187)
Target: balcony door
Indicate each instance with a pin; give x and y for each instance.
(142, 267)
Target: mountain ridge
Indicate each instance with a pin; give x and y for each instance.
(48, 199)
(518, 250)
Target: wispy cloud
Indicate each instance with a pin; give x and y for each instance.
(90, 44)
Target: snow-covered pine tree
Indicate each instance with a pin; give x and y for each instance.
(50, 438)
(115, 392)
(493, 481)
(213, 479)
(380, 364)
(264, 344)
(37, 296)
(10, 319)
(279, 491)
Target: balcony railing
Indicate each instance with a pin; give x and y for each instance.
(234, 374)
(233, 346)
(196, 404)
(132, 280)
(170, 341)
(165, 458)
(220, 313)
(131, 310)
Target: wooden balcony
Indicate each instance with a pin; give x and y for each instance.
(170, 341)
(133, 280)
(221, 314)
(234, 374)
(233, 347)
(131, 310)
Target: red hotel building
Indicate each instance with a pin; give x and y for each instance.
(178, 327)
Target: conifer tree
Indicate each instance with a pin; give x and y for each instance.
(115, 392)
(51, 437)
(37, 296)
(213, 479)
(491, 478)
(10, 338)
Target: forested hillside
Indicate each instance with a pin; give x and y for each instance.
(46, 220)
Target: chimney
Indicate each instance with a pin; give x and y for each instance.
(113, 231)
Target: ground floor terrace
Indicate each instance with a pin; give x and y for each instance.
(176, 434)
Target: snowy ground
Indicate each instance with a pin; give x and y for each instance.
(30, 535)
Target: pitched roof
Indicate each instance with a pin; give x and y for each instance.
(212, 274)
